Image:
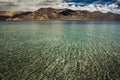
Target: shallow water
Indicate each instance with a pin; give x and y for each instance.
(59, 50)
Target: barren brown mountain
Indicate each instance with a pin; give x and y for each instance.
(58, 14)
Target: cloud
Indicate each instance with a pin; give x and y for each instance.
(112, 8)
(89, 5)
(26, 5)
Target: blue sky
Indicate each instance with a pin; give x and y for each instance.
(104, 6)
(86, 2)
(92, 1)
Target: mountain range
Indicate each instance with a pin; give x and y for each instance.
(57, 14)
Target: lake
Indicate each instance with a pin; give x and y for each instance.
(60, 50)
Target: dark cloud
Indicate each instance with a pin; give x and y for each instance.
(6, 5)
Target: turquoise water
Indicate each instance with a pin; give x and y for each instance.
(59, 50)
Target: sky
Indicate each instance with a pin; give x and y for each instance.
(105, 6)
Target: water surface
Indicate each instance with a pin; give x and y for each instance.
(59, 50)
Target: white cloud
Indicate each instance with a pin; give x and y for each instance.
(113, 8)
(27, 5)
(31, 5)
(118, 0)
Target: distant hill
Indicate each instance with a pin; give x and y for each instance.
(4, 15)
(57, 14)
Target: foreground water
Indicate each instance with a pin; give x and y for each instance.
(59, 50)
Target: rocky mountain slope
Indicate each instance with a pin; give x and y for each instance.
(57, 14)
(4, 15)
